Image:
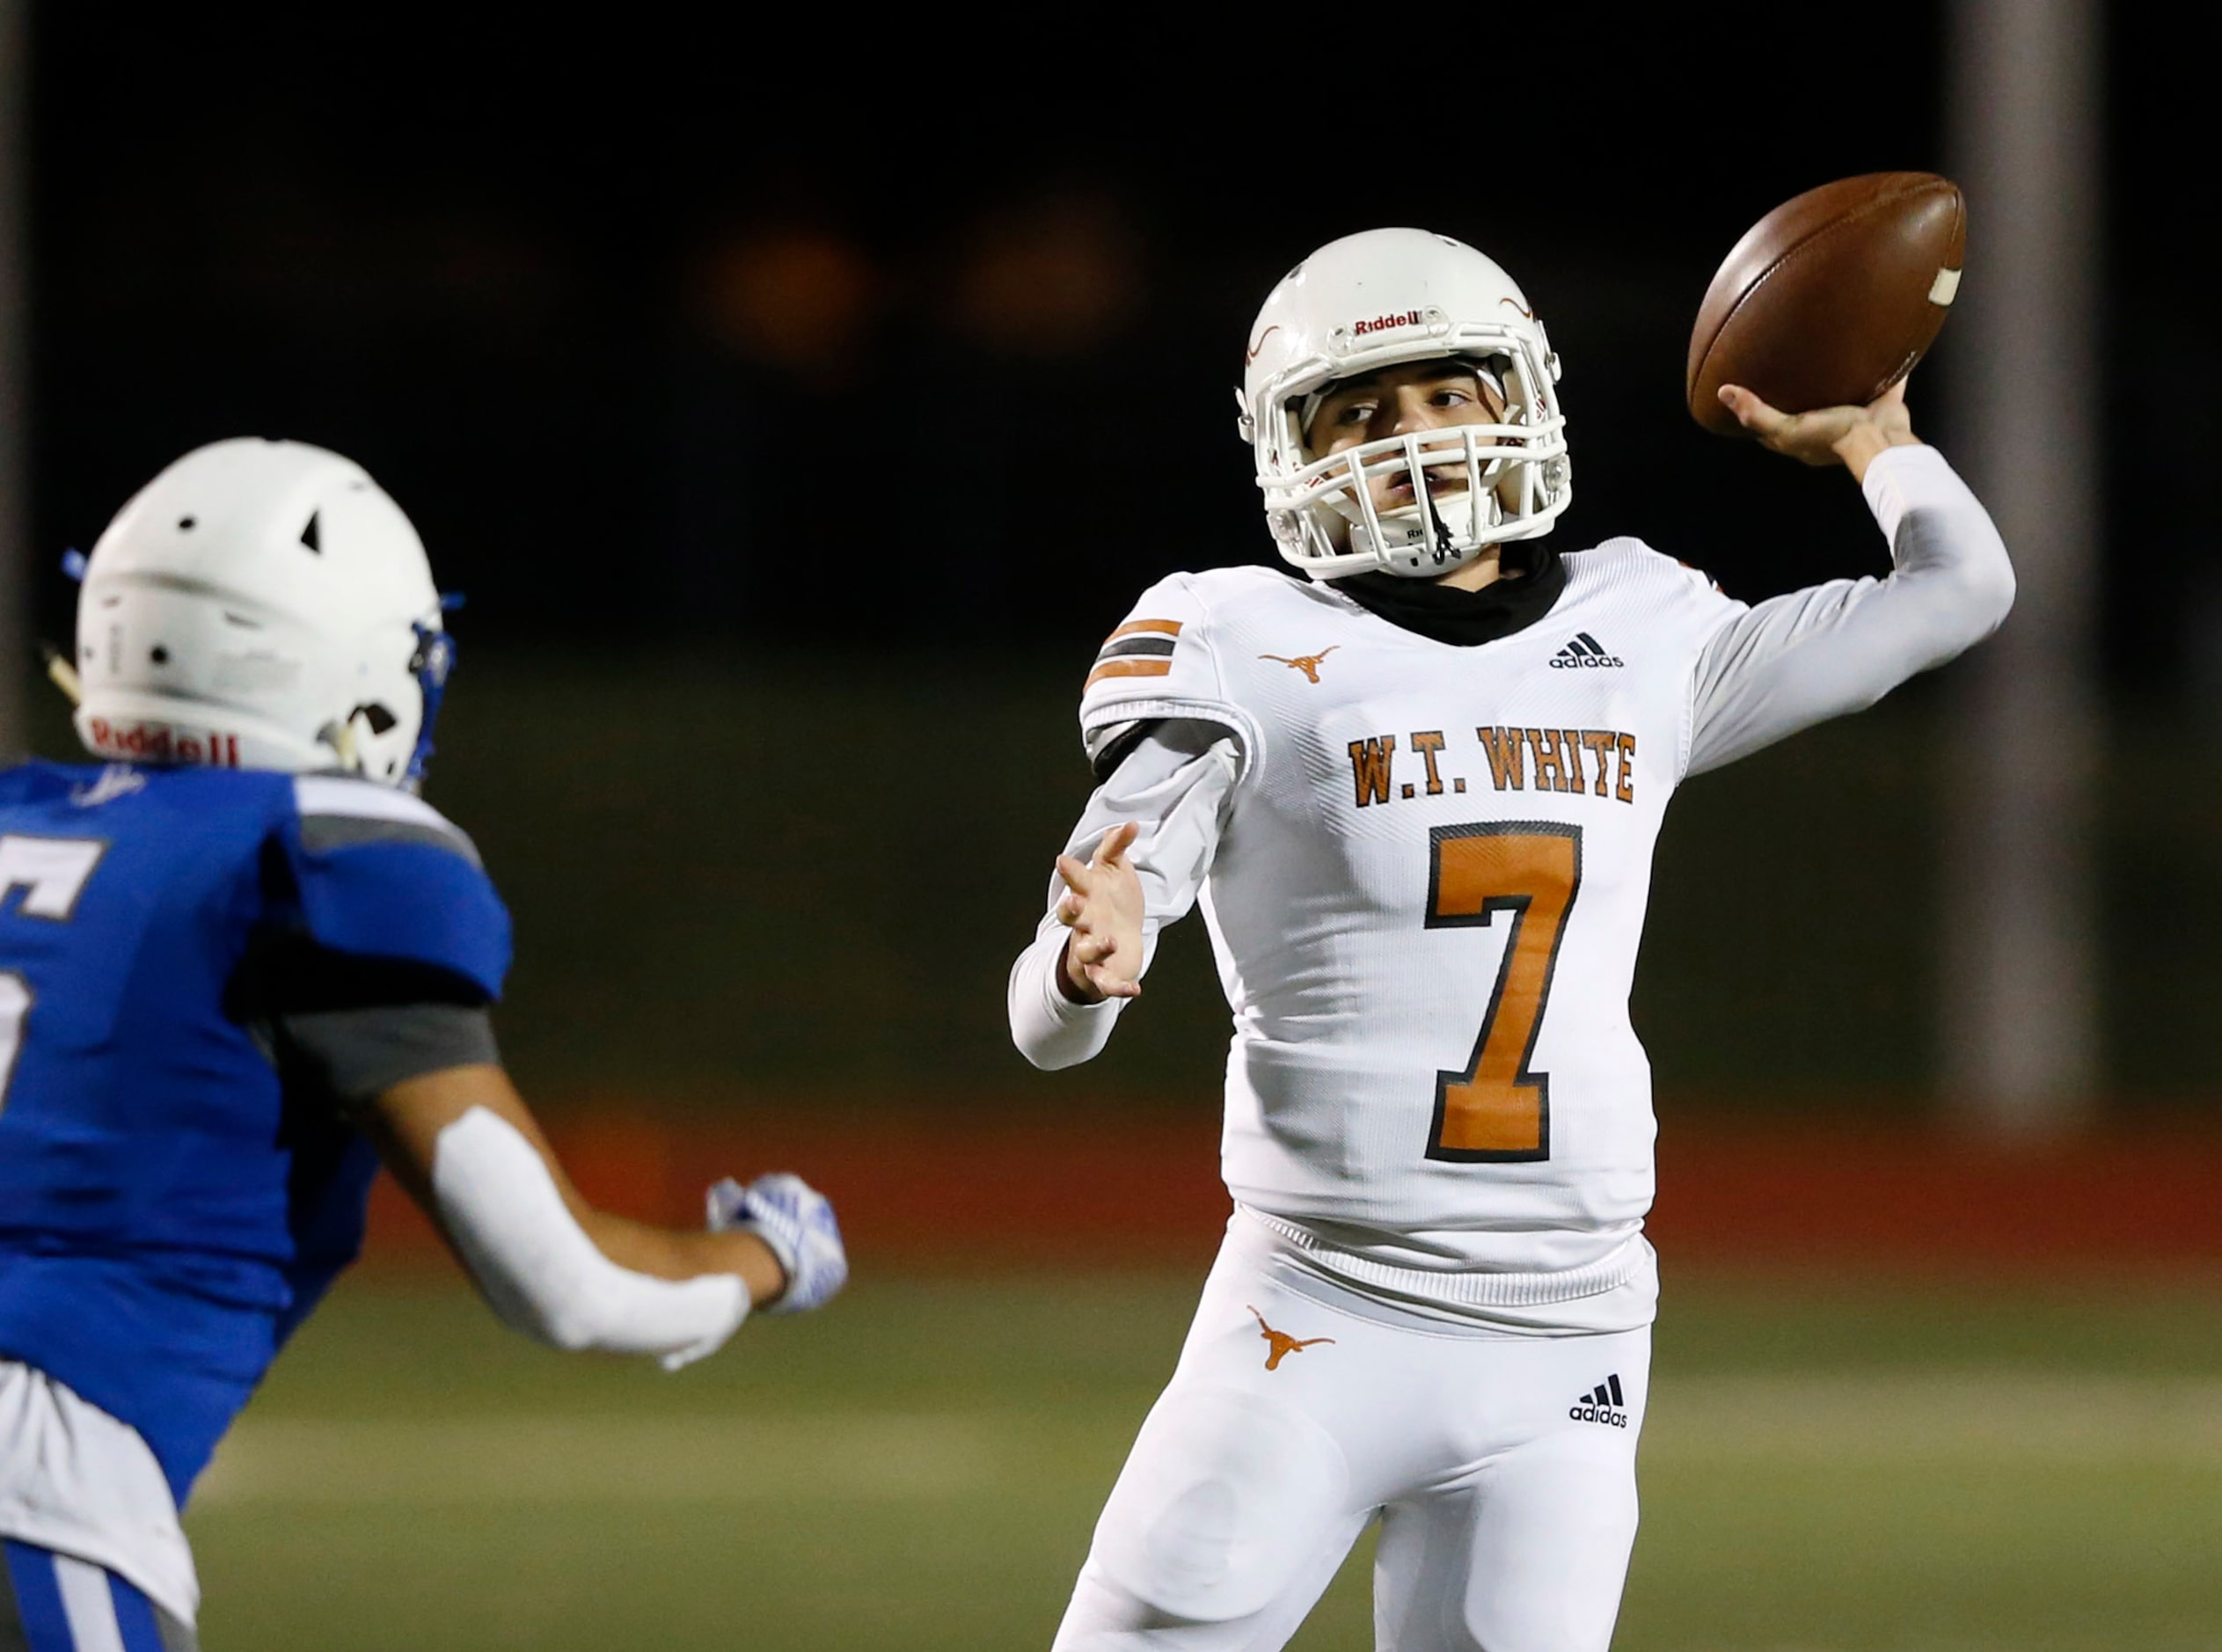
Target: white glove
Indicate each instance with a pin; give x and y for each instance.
(796, 1221)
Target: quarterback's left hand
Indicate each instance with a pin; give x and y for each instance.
(796, 1222)
(1849, 436)
(1102, 906)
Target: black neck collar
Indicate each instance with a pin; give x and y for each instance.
(1444, 613)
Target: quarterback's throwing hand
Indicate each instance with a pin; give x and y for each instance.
(1102, 906)
(1849, 436)
(796, 1222)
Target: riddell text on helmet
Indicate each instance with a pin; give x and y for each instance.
(1382, 323)
(158, 743)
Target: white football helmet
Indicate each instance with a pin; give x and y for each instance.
(1377, 300)
(262, 604)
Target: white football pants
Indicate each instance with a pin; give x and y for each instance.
(1502, 1467)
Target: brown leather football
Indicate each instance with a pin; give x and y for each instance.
(1832, 297)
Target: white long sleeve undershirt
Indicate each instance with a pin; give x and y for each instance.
(1806, 656)
(1771, 669)
(1175, 783)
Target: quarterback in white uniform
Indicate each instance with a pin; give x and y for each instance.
(1415, 790)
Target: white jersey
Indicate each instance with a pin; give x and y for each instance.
(1424, 869)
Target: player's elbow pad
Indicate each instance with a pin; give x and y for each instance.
(1975, 600)
(542, 1273)
(1995, 588)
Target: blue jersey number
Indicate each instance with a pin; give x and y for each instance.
(51, 872)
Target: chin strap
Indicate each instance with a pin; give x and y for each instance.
(340, 737)
(59, 669)
(1445, 551)
(62, 674)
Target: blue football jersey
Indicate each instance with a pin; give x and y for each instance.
(171, 1203)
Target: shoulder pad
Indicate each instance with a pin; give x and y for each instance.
(1629, 550)
(338, 812)
(1160, 662)
(383, 873)
(1631, 558)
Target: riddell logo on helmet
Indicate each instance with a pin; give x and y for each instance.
(1383, 324)
(158, 743)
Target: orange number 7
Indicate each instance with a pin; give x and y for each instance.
(1497, 1111)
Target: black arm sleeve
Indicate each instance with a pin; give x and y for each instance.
(357, 1054)
(1124, 738)
(349, 1027)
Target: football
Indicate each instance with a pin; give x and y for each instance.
(1832, 297)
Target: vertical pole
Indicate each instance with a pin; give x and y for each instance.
(14, 392)
(2020, 1010)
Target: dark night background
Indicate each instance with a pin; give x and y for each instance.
(799, 395)
(797, 408)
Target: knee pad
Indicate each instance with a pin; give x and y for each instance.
(1226, 1497)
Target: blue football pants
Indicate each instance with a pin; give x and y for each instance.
(56, 1603)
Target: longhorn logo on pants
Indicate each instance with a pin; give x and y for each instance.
(1279, 1343)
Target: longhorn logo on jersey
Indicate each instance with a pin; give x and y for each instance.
(1307, 663)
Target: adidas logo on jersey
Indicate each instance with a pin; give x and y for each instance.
(1584, 651)
(1603, 1404)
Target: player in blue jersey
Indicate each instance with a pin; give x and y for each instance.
(239, 964)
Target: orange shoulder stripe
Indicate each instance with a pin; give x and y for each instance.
(1164, 627)
(1127, 668)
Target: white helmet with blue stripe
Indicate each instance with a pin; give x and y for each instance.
(262, 604)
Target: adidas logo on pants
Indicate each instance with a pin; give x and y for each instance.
(1605, 1404)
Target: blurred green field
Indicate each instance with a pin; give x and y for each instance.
(1923, 1470)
